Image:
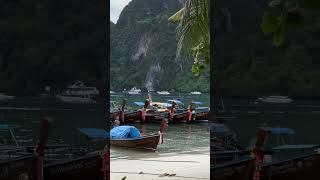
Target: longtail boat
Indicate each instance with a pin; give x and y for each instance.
(83, 167)
(134, 116)
(278, 163)
(53, 161)
(200, 116)
(114, 115)
(17, 166)
(180, 117)
(145, 142)
(138, 141)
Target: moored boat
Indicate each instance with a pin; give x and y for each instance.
(4, 97)
(134, 91)
(163, 92)
(275, 99)
(53, 161)
(195, 93)
(79, 93)
(197, 116)
(271, 162)
(148, 141)
(130, 137)
(23, 166)
(83, 167)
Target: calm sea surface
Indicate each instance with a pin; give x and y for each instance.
(243, 116)
(24, 115)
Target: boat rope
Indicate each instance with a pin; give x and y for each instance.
(121, 116)
(143, 115)
(257, 175)
(189, 114)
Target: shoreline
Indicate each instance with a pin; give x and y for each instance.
(187, 165)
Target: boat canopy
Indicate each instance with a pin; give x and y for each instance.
(4, 127)
(159, 104)
(140, 104)
(278, 130)
(219, 128)
(197, 102)
(94, 133)
(124, 132)
(202, 108)
(296, 146)
(176, 101)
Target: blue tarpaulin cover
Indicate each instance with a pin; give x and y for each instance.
(124, 132)
(93, 133)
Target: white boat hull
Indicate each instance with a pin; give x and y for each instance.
(195, 93)
(5, 97)
(163, 93)
(133, 93)
(69, 99)
(276, 100)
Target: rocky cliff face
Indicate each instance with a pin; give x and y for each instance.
(143, 47)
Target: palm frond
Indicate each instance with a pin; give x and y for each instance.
(177, 16)
(193, 28)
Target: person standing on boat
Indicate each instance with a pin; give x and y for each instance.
(144, 110)
(190, 111)
(121, 112)
(172, 111)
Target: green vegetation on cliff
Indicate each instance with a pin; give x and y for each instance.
(143, 49)
(247, 63)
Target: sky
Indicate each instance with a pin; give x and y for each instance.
(116, 7)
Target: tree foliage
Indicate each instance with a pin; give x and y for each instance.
(194, 33)
(247, 63)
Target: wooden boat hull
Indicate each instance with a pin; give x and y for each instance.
(82, 168)
(113, 115)
(236, 170)
(18, 168)
(134, 116)
(200, 116)
(304, 167)
(146, 142)
(181, 117)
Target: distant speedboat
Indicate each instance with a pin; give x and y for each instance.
(5, 97)
(79, 93)
(275, 99)
(195, 93)
(163, 92)
(134, 91)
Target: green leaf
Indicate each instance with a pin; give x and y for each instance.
(177, 16)
(195, 70)
(124, 178)
(278, 37)
(269, 23)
